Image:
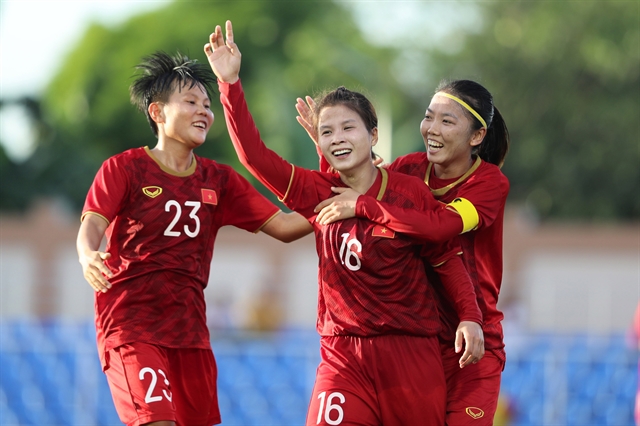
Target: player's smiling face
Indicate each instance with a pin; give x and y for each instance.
(344, 139)
(188, 116)
(446, 131)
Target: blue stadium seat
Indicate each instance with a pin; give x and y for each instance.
(31, 409)
(593, 384)
(14, 370)
(232, 417)
(619, 413)
(31, 336)
(578, 413)
(302, 371)
(48, 368)
(274, 377)
(233, 373)
(253, 404)
(531, 413)
(106, 412)
(289, 404)
(601, 403)
(8, 417)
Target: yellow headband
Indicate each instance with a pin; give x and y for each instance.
(464, 104)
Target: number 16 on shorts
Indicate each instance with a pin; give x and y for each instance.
(330, 409)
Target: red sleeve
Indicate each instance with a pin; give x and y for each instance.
(457, 283)
(245, 208)
(487, 191)
(267, 166)
(108, 190)
(434, 224)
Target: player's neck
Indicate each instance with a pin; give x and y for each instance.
(361, 179)
(176, 157)
(453, 169)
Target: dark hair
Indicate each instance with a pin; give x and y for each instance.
(161, 74)
(355, 101)
(495, 144)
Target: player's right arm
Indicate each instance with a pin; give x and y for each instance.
(90, 236)
(287, 227)
(435, 223)
(269, 168)
(480, 200)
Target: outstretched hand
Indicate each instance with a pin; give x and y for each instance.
(471, 333)
(224, 57)
(305, 109)
(340, 207)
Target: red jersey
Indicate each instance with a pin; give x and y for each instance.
(486, 188)
(371, 281)
(162, 227)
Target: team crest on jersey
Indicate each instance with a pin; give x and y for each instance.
(474, 412)
(152, 191)
(383, 231)
(209, 196)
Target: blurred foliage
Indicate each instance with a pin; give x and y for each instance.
(287, 53)
(565, 75)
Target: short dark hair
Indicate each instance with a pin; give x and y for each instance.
(160, 74)
(495, 144)
(355, 101)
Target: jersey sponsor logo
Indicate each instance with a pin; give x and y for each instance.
(209, 196)
(152, 191)
(474, 412)
(383, 231)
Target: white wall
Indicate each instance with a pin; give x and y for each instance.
(17, 275)
(589, 290)
(581, 291)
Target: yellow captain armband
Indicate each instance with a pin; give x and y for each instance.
(467, 212)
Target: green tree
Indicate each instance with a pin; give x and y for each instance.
(288, 52)
(566, 77)
(564, 74)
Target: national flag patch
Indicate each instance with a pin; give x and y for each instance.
(209, 196)
(383, 231)
(152, 191)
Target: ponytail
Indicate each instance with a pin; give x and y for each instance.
(495, 145)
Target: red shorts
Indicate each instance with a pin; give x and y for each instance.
(152, 383)
(390, 380)
(473, 391)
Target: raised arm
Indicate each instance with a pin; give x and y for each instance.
(225, 58)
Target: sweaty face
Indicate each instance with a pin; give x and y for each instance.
(344, 139)
(447, 133)
(187, 116)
